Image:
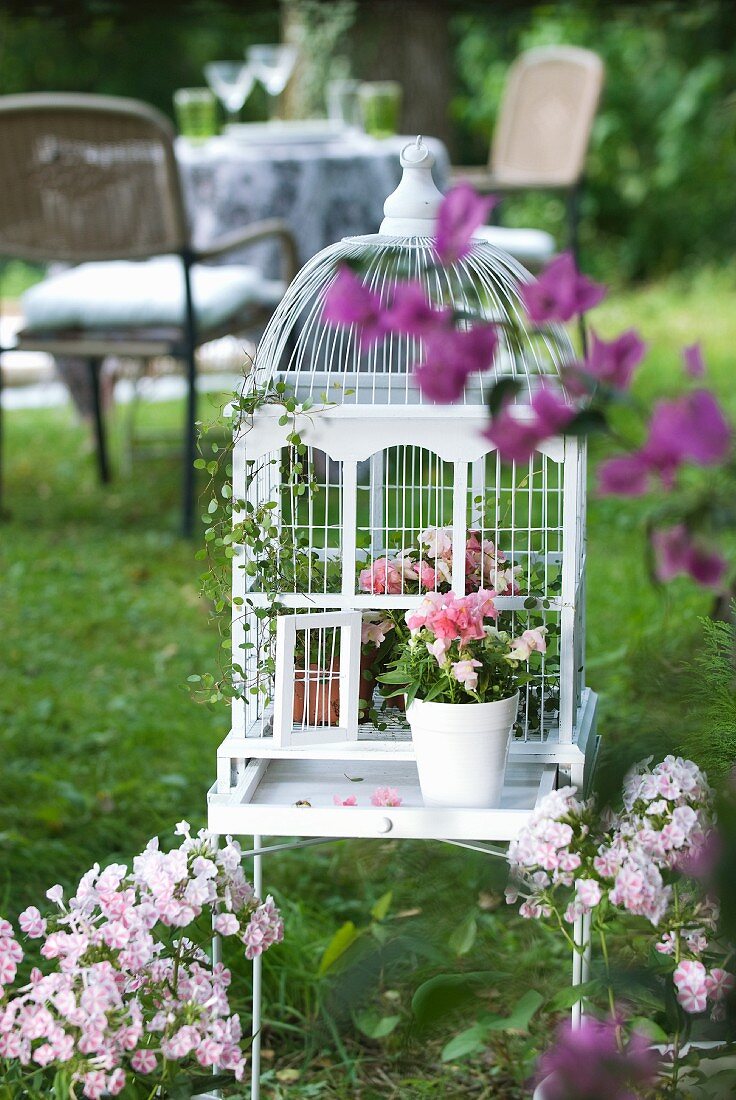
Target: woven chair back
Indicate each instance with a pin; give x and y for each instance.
(87, 178)
(546, 116)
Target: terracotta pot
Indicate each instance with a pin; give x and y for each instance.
(367, 687)
(317, 698)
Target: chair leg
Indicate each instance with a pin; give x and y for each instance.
(103, 466)
(190, 420)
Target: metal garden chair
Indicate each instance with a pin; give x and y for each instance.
(541, 140)
(92, 181)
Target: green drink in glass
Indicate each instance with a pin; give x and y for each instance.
(380, 104)
(196, 113)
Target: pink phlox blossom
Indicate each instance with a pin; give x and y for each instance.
(227, 924)
(719, 983)
(560, 292)
(386, 796)
(351, 800)
(690, 984)
(462, 211)
(640, 889)
(56, 895)
(350, 302)
(32, 923)
(144, 1061)
(666, 945)
(588, 892)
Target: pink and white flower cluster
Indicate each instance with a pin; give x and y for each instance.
(429, 567)
(127, 991)
(570, 861)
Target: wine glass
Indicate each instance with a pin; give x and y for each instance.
(272, 65)
(232, 83)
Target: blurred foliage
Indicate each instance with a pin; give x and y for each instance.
(663, 156)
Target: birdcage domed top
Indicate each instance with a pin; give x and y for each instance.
(321, 361)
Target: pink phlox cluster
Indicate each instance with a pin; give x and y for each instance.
(117, 998)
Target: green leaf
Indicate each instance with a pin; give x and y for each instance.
(375, 1026)
(467, 1042)
(463, 938)
(587, 422)
(382, 906)
(570, 995)
(521, 1016)
(441, 995)
(647, 1027)
(505, 389)
(338, 945)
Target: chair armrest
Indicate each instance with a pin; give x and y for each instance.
(251, 234)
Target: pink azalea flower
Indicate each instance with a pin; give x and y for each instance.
(614, 362)
(677, 553)
(693, 360)
(517, 439)
(465, 674)
(350, 302)
(385, 796)
(412, 313)
(460, 214)
(351, 800)
(450, 357)
(560, 293)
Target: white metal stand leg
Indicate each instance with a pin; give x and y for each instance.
(255, 1050)
(580, 963)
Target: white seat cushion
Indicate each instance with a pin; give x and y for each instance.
(123, 294)
(531, 246)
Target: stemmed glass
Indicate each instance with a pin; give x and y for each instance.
(272, 65)
(232, 83)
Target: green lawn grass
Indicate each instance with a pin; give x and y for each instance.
(102, 746)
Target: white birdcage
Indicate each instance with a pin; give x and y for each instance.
(375, 466)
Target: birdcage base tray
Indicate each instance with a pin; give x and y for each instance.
(297, 798)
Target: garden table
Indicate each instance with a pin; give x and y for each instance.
(325, 190)
(262, 791)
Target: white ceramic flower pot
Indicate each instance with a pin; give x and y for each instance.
(461, 750)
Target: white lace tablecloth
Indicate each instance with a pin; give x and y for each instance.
(324, 191)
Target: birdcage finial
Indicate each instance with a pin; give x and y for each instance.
(411, 210)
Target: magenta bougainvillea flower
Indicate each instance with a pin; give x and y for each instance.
(413, 314)
(516, 439)
(677, 554)
(459, 216)
(587, 1063)
(350, 302)
(693, 359)
(561, 292)
(613, 362)
(450, 357)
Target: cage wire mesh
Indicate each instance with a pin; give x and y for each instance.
(330, 520)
